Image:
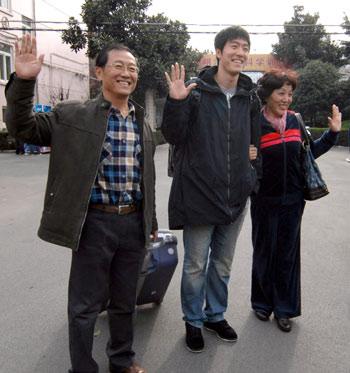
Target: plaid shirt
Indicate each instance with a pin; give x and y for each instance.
(119, 173)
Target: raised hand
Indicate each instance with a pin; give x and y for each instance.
(334, 122)
(27, 64)
(176, 83)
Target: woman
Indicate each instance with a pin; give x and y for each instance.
(278, 207)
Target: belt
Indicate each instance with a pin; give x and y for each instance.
(120, 209)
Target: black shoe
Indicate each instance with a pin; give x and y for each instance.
(194, 338)
(222, 329)
(284, 324)
(262, 315)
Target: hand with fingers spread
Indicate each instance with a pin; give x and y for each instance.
(27, 64)
(176, 83)
(334, 122)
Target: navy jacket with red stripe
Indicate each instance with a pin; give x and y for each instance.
(282, 179)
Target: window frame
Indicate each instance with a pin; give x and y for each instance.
(27, 24)
(7, 6)
(4, 55)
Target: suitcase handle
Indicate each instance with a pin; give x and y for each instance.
(152, 258)
(157, 243)
(153, 261)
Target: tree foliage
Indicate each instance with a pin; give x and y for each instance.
(304, 40)
(156, 40)
(343, 98)
(106, 21)
(163, 42)
(317, 90)
(346, 44)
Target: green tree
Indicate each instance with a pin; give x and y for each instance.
(317, 90)
(106, 21)
(163, 43)
(346, 44)
(343, 98)
(304, 40)
(157, 41)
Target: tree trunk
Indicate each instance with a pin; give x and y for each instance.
(150, 107)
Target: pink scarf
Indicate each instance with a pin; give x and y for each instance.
(278, 124)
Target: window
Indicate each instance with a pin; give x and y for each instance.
(26, 25)
(5, 61)
(5, 4)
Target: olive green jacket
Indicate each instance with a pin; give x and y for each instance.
(75, 131)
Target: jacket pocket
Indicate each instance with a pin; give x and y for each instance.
(51, 191)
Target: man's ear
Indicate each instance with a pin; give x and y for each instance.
(218, 53)
(98, 72)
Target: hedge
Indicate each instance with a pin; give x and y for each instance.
(6, 142)
(315, 132)
(343, 137)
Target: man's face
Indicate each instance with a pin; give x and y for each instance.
(119, 75)
(234, 56)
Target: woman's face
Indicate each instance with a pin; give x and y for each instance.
(279, 100)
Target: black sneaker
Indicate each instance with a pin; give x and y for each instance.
(222, 329)
(194, 338)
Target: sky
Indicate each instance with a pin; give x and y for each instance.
(224, 12)
(248, 12)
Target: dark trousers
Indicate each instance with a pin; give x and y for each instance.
(276, 258)
(107, 265)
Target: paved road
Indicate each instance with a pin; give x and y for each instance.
(34, 274)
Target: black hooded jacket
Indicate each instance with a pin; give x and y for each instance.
(213, 176)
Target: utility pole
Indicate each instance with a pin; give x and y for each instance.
(348, 159)
(34, 34)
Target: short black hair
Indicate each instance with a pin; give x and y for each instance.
(228, 34)
(102, 57)
(275, 79)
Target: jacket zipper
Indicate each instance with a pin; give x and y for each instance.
(284, 167)
(92, 185)
(228, 149)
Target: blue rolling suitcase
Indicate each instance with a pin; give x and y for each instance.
(158, 268)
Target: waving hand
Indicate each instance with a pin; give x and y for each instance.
(334, 122)
(27, 64)
(176, 83)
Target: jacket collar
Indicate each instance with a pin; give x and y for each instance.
(106, 105)
(207, 81)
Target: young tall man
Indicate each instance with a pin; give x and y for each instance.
(211, 122)
(99, 198)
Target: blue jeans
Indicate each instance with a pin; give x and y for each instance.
(206, 273)
(31, 149)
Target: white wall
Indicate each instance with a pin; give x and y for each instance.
(63, 69)
(55, 82)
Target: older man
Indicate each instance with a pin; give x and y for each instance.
(100, 195)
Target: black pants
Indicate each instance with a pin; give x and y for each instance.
(107, 264)
(276, 257)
